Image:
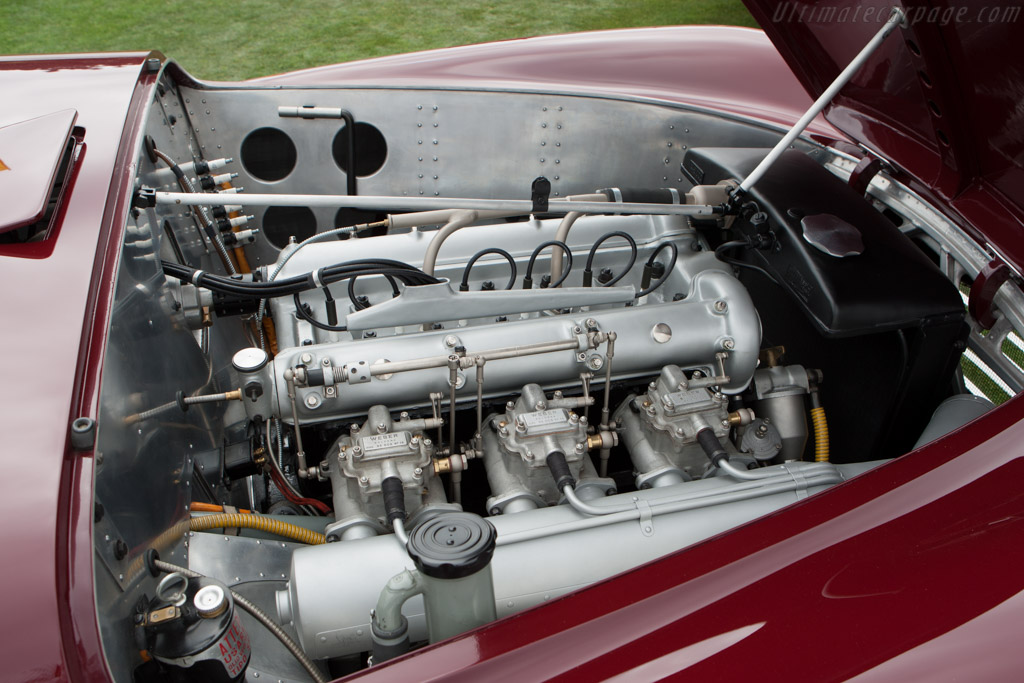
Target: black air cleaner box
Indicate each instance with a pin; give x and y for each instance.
(885, 326)
(890, 284)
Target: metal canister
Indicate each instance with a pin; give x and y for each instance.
(192, 624)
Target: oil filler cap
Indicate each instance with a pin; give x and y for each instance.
(452, 545)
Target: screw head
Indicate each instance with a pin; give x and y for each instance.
(306, 358)
(728, 344)
(451, 341)
(721, 306)
(312, 400)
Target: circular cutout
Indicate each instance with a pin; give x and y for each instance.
(371, 150)
(268, 154)
(283, 222)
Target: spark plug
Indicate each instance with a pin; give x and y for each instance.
(210, 182)
(240, 237)
(228, 224)
(201, 167)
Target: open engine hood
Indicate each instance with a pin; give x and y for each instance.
(941, 98)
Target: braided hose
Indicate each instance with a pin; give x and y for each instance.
(820, 434)
(261, 617)
(251, 521)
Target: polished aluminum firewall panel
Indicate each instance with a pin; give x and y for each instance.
(450, 143)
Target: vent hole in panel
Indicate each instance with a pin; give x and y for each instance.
(371, 149)
(282, 222)
(268, 154)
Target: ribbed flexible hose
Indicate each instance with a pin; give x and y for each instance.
(820, 434)
(251, 521)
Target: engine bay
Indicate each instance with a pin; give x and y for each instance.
(387, 421)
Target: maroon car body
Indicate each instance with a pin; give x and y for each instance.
(908, 571)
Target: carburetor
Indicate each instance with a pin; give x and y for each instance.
(517, 447)
(381, 448)
(660, 427)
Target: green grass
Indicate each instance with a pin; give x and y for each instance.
(221, 40)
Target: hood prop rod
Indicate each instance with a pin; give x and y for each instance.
(896, 18)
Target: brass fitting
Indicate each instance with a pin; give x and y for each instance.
(602, 440)
(743, 416)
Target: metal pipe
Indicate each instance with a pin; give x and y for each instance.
(798, 474)
(609, 354)
(459, 220)
(601, 518)
(513, 206)
(531, 349)
(300, 454)
(560, 236)
(605, 426)
(419, 219)
(435, 406)
(894, 19)
(735, 472)
(391, 367)
(479, 398)
(453, 380)
(399, 526)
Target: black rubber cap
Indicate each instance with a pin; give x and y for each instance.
(452, 545)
